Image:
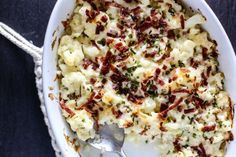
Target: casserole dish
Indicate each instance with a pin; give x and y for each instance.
(61, 12)
(61, 131)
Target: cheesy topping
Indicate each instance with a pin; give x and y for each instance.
(148, 66)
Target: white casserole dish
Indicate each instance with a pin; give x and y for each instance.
(61, 12)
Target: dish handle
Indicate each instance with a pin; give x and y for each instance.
(22, 43)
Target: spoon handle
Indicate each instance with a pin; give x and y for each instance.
(122, 153)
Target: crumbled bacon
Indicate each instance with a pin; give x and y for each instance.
(182, 21)
(201, 150)
(99, 28)
(128, 1)
(177, 102)
(128, 124)
(87, 62)
(65, 108)
(187, 111)
(204, 53)
(171, 34)
(193, 63)
(204, 79)
(162, 128)
(150, 55)
(106, 63)
(172, 98)
(198, 102)
(93, 80)
(209, 71)
(91, 14)
(104, 18)
(160, 82)
(181, 91)
(157, 73)
(163, 107)
(135, 98)
(116, 113)
(145, 25)
(208, 128)
(177, 145)
(136, 10)
(112, 33)
(120, 47)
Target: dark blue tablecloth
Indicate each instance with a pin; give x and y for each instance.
(22, 129)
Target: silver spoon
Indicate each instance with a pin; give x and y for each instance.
(111, 139)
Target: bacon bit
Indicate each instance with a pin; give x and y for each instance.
(112, 33)
(161, 82)
(135, 98)
(120, 47)
(164, 67)
(150, 55)
(184, 70)
(187, 111)
(128, 1)
(92, 4)
(182, 21)
(208, 128)
(146, 128)
(177, 145)
(99, 95)
(93, 80)
(193, 63)
(209, 71)
(87, 62)
(181, 91)
(231, 136)
(204, 79)
(91, 14)
(109, 41)
(180, 108)
(136, 10)
(175, 77)
(171, 34)
(163, 107)
(153, 12)
(104, 18)
(204, 154)
(214, 54)
(198, 102)
(145, 25)
(116, 113)
(162, 128)
(95, 44)
(66, 23)
(99, 28)
(177, 103)
(128, 124)
(172, 99)
(204, 53)
(65, 108)
(157, 73)
(104, 81)
(106, 63)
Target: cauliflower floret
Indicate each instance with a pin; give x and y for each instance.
(70, 50)
(194, 20)
(148, 105)
(91, 51)
(83, 124)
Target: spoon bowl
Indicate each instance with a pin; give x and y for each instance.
(110, 139)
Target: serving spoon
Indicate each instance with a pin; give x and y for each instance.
(110, 139)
